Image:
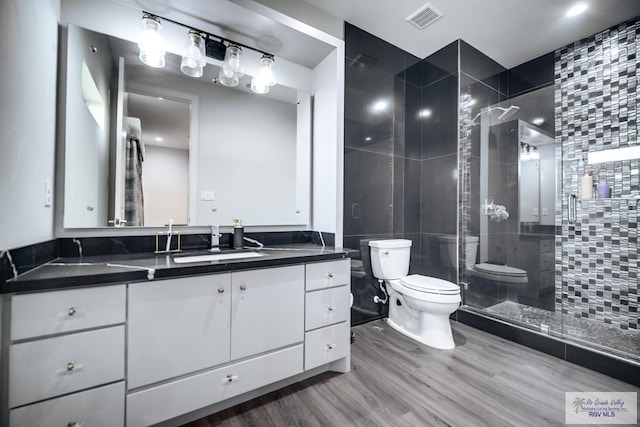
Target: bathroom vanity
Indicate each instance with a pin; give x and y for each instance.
(141, 341)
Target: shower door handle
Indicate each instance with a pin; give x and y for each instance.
(572, 201)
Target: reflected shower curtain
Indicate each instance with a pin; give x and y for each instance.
(133, 197)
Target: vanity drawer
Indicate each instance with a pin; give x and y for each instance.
(99, 407)
(179, 397)
(46, 313)
(326, 307)
(51, 367)
(326, 345)
(322, 275)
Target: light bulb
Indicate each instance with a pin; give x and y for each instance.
(258, 86)
(193, 61)
(228, 79)
(265, 75)
(233, 60)
(151, 42)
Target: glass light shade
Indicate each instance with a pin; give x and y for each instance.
(151, 42)
(266, 75)
(233, 61)
(193, 62)
(228, 79)
(257, 86)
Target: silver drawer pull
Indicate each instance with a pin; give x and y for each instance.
(221, 291)
(70, 368)
(330, 346)
(243, 287)
(330, 308)
(330, 275)
(230, 378)
(72, 313)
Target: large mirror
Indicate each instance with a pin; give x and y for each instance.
(144, 145)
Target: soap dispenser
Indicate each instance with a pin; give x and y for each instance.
(586, 186)
(238, 234)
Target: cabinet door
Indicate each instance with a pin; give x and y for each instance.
(176, 327)
(267, 309)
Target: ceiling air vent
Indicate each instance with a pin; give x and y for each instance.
(424, 16)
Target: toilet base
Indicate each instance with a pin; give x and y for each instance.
(437, 335)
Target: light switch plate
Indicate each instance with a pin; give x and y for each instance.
(48, 194)
(207, 196)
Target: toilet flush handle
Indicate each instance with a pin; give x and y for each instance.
(385, 253)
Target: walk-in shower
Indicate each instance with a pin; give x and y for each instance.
(575, 249)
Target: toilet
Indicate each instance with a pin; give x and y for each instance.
(419, 306)
(484, 275)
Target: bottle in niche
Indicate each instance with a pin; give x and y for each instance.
(586, 186)
(238, 234)
(604, 191)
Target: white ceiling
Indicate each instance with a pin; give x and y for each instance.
(509, 31)
(161, 118)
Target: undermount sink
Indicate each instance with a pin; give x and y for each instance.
(215, 257)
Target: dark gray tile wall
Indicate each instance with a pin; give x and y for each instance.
(597, 109)
(382, 153)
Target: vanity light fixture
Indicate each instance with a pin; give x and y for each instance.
(151, 42)
(193, 61)
(201, 45)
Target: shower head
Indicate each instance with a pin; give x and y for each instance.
(505, 114)
(508, 112)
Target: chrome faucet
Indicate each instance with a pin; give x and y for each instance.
(215, 238)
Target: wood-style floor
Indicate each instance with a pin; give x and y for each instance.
(484, 381)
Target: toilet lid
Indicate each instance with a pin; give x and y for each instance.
(500, 270)
(430, 285)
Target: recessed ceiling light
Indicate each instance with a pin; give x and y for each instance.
(379, 106)
(538, 121)
(368, 138)
(160, 98)
(159, 139)
(425, 114)
(576, 9)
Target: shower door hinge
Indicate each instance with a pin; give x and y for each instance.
(464, 285)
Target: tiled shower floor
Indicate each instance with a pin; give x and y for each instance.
(588, 332)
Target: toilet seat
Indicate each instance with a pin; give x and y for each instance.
(499, 273)
(429, 285)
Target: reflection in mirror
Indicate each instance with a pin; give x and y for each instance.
(537, 181)
(234, 153)
(165, 156)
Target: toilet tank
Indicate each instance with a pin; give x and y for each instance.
(449, 250)
(390, 258)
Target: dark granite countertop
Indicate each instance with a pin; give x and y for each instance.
(108, 269)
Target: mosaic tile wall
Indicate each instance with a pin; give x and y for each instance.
(596, 108)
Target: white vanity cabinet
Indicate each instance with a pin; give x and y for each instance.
(327, 316)
(194, 345)
(176, 327)
(67, 352)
